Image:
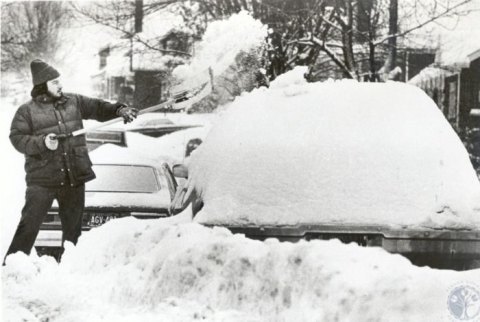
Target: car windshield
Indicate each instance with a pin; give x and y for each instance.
(123, 178)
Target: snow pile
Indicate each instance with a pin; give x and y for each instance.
(376, 153)
(147, 270)
(220, 45)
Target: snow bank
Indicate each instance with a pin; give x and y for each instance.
(335, 152)
(151, 270)
(220, 45)
(147, 270)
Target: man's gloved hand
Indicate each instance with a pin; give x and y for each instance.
(128, 113)
(51, 141)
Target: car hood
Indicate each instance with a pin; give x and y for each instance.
(158, 200)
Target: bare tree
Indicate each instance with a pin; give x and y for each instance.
(357, 37)
(31, 30)
(122, 16)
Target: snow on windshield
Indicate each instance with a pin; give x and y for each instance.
(371, 153)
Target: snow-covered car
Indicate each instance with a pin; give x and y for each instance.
(374, 164)
(128, 186)
(158, 127)
(149, 124)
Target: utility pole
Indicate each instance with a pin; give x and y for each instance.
(138, 16)
(392, 41)
(137, 28)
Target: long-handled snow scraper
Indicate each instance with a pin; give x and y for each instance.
(183, 96)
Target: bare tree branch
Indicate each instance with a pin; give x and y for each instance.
(424, 23)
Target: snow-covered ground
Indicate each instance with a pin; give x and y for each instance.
(150, 271)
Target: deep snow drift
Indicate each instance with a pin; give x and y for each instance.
(368, 153)
(150, 271)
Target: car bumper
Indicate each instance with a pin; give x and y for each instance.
(49, 238)
(444, 249)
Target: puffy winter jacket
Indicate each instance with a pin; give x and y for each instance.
(70, 163)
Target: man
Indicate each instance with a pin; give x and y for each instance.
(56, 166)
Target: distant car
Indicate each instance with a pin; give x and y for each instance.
(151, 126)
(121, 189)
(158, 127)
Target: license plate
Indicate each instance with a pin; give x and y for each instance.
(98, 220)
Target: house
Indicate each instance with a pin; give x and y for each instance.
(135, 69)
(454, 84)
(453, 79)
(410, 61)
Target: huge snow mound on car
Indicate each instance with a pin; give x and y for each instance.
(367, 153)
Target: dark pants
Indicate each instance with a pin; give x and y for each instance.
(38, 201)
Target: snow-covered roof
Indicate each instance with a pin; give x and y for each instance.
(427, 74)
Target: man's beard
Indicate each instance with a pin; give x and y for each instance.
(58, 95)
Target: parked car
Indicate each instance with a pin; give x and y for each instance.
(100, 137)
(150, 124)
(438, 248)
(122, 188)
(234, 161)
(158, 127)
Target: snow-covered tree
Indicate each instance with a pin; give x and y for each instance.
(350, 38)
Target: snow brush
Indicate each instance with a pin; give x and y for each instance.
(180, 99)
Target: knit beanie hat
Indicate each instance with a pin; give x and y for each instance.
(42, 72)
